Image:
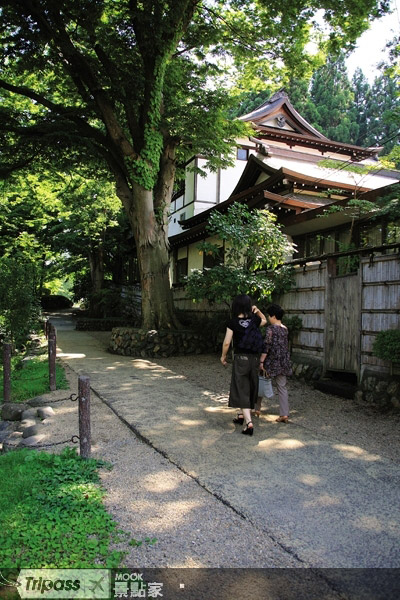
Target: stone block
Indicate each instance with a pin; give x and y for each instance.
(30, 413)
(395, 402)
(393, 388)
(381, 387)
(12, 411)
(32, 430)
(359, 396)
(6, 429)
(25, 423)
(14, 436)
(34, 440)
(45, 412)
(38, 401)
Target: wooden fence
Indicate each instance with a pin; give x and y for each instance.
(341, 315)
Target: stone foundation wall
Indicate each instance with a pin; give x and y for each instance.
(90, 324)
(306, 368)
(307, 372)
(129, 341)
(382, 391)
(379, 390)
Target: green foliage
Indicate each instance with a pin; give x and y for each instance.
(294, 324)
(137, 543)
(19, 307)
(51, 512)
(332, 100)
(108, 302)
(140, 86)
(33, 379)
(387, 345)
(283, 279)
(212, 324)
(253, 243)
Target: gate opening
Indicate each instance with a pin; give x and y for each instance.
(338, 383)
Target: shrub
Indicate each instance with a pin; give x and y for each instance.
(19, 307)
(53, 302)
(387, 345)
(294, 325)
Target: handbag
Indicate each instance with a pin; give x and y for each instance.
(265, 387)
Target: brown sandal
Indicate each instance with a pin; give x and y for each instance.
(282, 420)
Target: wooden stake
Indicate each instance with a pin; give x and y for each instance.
(52, 344)
(84, 416)
(7, 373)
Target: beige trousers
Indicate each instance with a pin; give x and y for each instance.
(283, 397)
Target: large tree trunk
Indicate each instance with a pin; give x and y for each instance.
(147, 211)
(151, 237)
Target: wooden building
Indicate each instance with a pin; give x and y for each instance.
(347, 263)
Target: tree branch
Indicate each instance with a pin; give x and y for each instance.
(79, 65)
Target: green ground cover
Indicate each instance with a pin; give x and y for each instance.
(51, 512)
(31, 380)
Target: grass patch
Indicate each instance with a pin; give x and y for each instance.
(51, 512)
(33, 379)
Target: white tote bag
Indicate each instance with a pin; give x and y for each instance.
(265, 387)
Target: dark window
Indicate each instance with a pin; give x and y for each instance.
(242, 153)
(371, 235)
(212, 260)
(181, 269)
(313, 247)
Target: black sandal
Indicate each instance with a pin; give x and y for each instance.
(248, 430)
(239, 419)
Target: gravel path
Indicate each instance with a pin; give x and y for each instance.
(151, 497)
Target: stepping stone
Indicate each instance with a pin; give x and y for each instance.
(45, 412)
(33, 430)
(38, 401)
(29, 413)
(33, 440)
(12, 411)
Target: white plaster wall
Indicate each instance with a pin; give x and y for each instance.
(189, 183)
(206, 187)
(229, 179)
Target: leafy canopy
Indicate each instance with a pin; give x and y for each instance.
(122, 80)
(253, 245)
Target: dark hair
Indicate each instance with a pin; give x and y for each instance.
(275, 311)
(241, 305)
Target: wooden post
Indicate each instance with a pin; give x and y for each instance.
(46, 328)
(84, 416)
(52, 344)
(6, 372)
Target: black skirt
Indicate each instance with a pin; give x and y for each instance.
(244, 383)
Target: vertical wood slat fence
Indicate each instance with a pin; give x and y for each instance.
(374, 308)
(380, 308)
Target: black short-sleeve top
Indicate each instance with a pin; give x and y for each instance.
(239, 325)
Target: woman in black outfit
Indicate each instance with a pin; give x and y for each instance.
(246, 364)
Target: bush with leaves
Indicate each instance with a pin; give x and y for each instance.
(387, 345)
(254, 245)
(19, 306)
